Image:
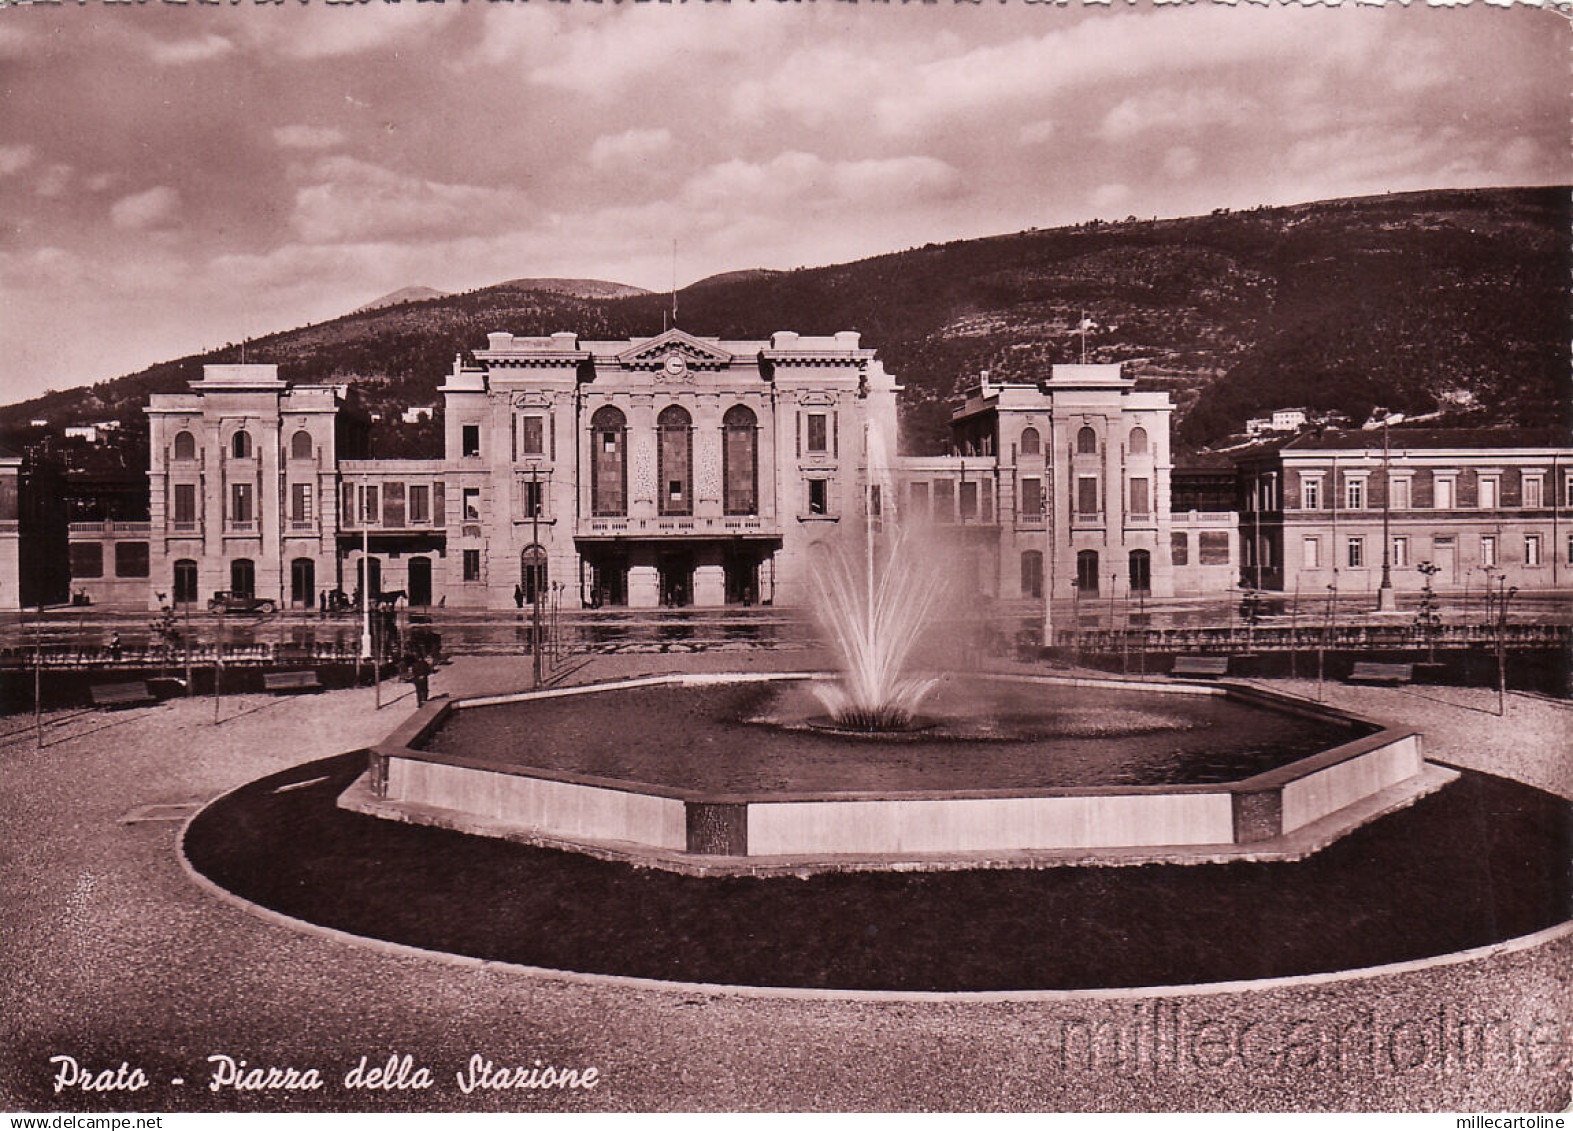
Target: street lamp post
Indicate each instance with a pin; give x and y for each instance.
(1386, 599)
(535, 574)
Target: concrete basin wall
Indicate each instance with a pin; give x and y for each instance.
(558, 809)
(987, 824)
(1314, 795)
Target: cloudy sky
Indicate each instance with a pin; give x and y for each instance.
(177, 176)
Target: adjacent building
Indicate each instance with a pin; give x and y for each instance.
(1320, 511)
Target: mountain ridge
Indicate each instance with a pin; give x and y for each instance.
(1451, 301)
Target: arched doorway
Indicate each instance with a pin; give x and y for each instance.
(1141, 571)
(185, 581)
(532, 573)
(243, 577)
(1032, 573)
(1087, 571)
(363, 567)
(303, 583)
(420, 581)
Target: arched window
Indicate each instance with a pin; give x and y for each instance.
(1087, 571)
(1141, 571)
(1086, 442)
(532, 574)
(1031, 443)
(740, 460)
(608, 462)
(1032, 573)
(241, 444)
(1138, 441)
(185, 445)
(300, 445)
(243, 577)
(676, 459)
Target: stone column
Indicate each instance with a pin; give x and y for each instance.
(709, 586)
(644, 587)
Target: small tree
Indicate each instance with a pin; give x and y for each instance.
(1428, 616)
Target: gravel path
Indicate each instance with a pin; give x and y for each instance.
(108, 953)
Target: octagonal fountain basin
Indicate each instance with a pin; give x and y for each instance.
(743, 773)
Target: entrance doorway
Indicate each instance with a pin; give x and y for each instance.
(420, 581)
(677, 581)
(1087, 570)
(532, 574)
(303, 583)
(742, 580)
(608, 582)
(185, 581)
(1444, 554)
(242, 577)
(373, 567)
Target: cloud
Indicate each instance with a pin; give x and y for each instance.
(177, 52)
(143, 211)
(1108, 196)
(807, 180)
(356, 201)
(53, 183)
(631, 147)
(1171, 111)
(308, 137)
(1180, 163)
(1036, 133)
(15, 158)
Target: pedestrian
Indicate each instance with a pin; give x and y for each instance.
(420, 672)
(114, 647)
(518, 595)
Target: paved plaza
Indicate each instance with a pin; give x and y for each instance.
(111, 954)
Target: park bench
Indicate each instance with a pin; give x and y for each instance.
(290, 681)
(1200, 665)
(1368, 672)
(122, 694)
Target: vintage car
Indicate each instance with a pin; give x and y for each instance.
(226, 602)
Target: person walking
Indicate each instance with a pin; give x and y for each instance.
(518, 595)
(420, 674)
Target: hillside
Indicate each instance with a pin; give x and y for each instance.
(402, 295)
(1420, 302)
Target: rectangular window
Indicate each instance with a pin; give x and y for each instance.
(1139, 504)
(969, 502)
(1401, 494)
(532, 435)
(300, 502)
(1180, 548)
(420, 503)
(1446, 493)
(534, 497)
(185, 504)
(439, 502)
(471, 499)
(1356, 557)
(368, 505)
(1531, 549)
(1490, 492)
(1212, 547)
(87, 559)
(818, 496)
(1032, 496)
(1354, 494)
(944, 501)
(1087, 495)
(393, 505)
(1311, 553)
(918, 500)
(472, 565)
(875, 502)
(1311, 494)
(1534, 492)
(347, 509)
(1488, 549)
(470, 439)
(1400, 551)
(818, 432)
(131, 559)
(240, 502)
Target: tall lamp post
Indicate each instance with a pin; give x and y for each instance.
(535, 574)
(1386, 599)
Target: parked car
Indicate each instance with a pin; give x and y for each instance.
(226, 602)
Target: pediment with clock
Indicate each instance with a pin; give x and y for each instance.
(675, 353)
